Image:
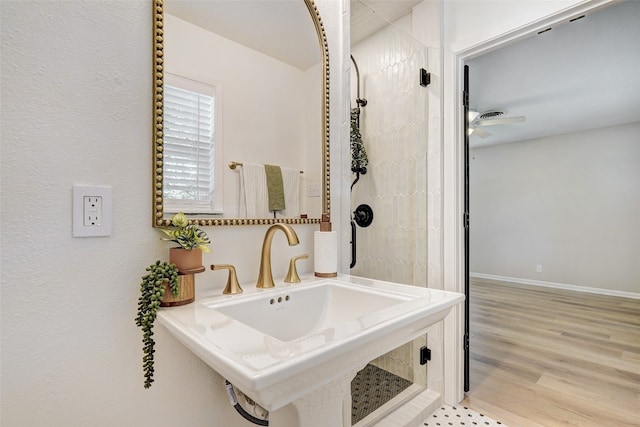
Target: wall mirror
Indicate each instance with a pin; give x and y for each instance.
(254, 78)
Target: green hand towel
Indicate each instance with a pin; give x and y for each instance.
(275, 187)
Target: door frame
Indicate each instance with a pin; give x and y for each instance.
(453, 180)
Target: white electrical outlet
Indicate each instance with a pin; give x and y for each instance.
(314, 190)
(91, 211)
(539, 268)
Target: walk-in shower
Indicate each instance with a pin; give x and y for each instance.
(390, 116)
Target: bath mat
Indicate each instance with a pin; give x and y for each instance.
(459, 416)
(371, 388)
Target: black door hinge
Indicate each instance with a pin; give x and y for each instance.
(466, 342)
(425, 355)
(465, 220)
(425, 78)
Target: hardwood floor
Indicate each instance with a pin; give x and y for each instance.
(549, 357)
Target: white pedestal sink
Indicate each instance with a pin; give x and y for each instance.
(294, 349)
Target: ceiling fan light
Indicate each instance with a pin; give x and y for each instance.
(492, 114)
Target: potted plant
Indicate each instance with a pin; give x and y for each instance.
(161, 277)
(192, 242)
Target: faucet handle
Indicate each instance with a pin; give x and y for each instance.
(233, 287)
(292, 274)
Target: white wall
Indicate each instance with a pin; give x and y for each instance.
(468, 22)
(312, 149)
(569, 203)
(76, 108)
(265, 104)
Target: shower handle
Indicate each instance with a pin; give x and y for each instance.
(363, 215)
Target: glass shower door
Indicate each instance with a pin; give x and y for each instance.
(394, 129)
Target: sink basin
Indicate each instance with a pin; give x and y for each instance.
(305, 310)
(281, 344)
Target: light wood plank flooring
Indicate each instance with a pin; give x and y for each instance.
(549, 357)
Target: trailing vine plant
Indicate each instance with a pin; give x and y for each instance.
(152, 289)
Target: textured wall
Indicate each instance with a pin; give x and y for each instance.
(76, 108)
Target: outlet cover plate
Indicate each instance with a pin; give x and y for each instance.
(314, 190)
(103, 228)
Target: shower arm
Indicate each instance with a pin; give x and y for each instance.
(360, 102)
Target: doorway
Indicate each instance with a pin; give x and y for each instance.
(454, 246)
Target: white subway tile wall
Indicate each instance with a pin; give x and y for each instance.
(403, 182)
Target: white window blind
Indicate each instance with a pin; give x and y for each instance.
(189, 146)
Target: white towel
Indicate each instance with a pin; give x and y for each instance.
(254, 198)
(291, 182)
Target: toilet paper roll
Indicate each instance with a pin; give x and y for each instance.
(325, 253)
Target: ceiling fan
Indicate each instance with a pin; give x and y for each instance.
(479, 120)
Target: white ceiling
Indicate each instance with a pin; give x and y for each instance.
(369, 16)
(282, 29)
(578, 76)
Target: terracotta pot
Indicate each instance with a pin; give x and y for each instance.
(186, 291)
(186, 261)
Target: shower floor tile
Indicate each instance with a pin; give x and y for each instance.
(459, 416)
(371, 388)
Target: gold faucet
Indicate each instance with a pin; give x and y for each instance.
(265, 278)
(232, 287)
(292, 274)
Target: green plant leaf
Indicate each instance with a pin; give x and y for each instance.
(185, 234)
(152, 289)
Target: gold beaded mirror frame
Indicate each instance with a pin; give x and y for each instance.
(159, 216)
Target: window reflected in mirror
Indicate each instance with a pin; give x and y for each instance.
(191, 162)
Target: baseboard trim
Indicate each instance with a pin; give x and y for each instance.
(516, 280)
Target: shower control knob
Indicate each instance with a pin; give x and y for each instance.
(363, 215)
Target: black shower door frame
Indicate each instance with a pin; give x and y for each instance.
(465, 222)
